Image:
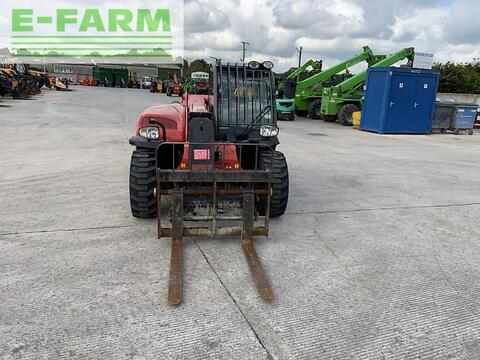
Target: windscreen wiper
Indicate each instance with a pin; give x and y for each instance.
(256, 120)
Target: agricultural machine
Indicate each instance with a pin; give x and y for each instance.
(214, 158)
(10, 83)
(19, 80)
(6, 85)
(58, 84)
(345, 98)
(198, 84)
(285, 103)
(156, 85)
(133, 81)
(174, 87)
(308, 93)
(41, 78)
(195, 86)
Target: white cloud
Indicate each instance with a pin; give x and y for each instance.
(331, 30)
(462, 25)
(203, 17)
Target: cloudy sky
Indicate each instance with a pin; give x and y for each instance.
(331, 29)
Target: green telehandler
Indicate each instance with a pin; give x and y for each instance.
(342, 100)
(308, 94)
(285, 102)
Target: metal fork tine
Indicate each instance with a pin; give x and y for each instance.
(258, 274)
(175, 288)
(176, 282)
(261, 280)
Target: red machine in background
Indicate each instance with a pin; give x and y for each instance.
(173, 87)
(88, 82)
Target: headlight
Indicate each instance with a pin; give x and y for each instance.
(254, 65)
(149, 132)
(268, 130)
(268, 65)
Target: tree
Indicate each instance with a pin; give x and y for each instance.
(197, 65)
(463, 78)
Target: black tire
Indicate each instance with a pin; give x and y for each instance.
(314, 109)
(280, 186)
(142, 184)
(346, 112)
(16, 94)
(328, 118)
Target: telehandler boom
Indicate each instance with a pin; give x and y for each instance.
(342, 100)
(308, 94)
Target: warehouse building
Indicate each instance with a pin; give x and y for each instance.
(79, 72)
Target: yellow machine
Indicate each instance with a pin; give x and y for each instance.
(156, 85)
(134, 80)
(12, 83)
(58, 85)
(159, 86)
(41, 78)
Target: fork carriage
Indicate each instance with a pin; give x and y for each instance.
(225, 199)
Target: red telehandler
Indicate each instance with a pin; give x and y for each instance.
(214, 157)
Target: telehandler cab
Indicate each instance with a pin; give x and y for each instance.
(215, 157)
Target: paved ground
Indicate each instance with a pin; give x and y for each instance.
(377, 257)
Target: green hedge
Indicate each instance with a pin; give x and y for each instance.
(461, 78)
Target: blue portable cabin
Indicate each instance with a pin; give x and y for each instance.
(399, 100)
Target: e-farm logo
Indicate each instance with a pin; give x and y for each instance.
(135, 35)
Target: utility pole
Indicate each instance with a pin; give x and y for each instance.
(244, 49)
(300, 50)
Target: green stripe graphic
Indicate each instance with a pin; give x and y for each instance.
(91, 43)
(69, 43)
(108, 49)
(94, 56)
(90, 37)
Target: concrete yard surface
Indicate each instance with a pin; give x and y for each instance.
(377, 257)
